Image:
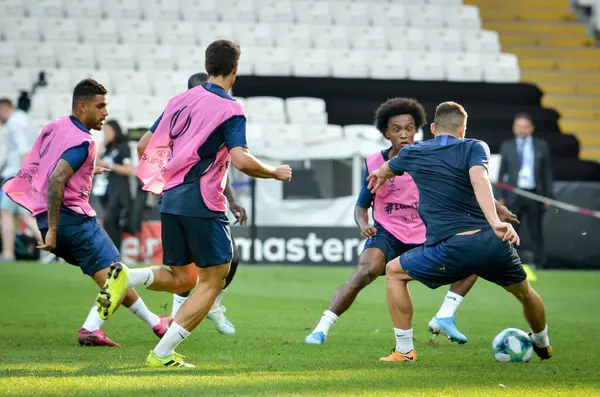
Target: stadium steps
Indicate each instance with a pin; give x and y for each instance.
(556, 54)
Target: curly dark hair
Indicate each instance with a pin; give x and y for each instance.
(396, 106)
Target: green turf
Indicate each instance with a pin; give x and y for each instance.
(273, 308)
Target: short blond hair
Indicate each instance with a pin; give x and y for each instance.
(449, 117)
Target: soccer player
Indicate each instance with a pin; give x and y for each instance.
(186, 159)
(464, 234)
(217, 312)
(397, 227)
(54, 185)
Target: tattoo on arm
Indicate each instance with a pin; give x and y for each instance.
(56, 191)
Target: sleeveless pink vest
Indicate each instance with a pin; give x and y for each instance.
(395, 205)
(189, 119)
(28, 187)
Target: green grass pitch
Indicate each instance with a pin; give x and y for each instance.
(273, 308)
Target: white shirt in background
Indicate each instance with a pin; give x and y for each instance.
(19, 136)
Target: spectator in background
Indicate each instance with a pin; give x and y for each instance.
(117, 201)
(19, 135)
(526, 164)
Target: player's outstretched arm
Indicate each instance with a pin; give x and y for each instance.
(245, 161)
(143, 143)
(55, 193)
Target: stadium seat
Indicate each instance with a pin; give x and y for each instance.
(176, 32)
(138, 32)
(291, 36)
(101, 76)
(501, 68)
(263, 109)
(36, 55)
(408, 2)
(426, 66)
(198, 10)
(283, 135)
(161, 10)
(463, 67)
(269, 61)
(118, 107)
(443, 40)
(245, 66)
(481, 41)
(20, 29)
(39, 106)
(348, 64)
(101, 31)
(368, 37)
(12, 8)
(131, 82)
(330, 36)
(76, 56)
(59, 105)
(45, 8)
(122, 9)
(144, 110)
(405, 38)
(61, 30)
(252, 34)
(386, 14)
(350, 14)
(8, 54)
(152, 56)
(316, 134)
(388, 65)
(311, 63)
(254, 135)
(304, 110)
(14, 79)
(426, 15)
(190, 57)
(168, 83)
(312, 13)
(90, 9)
(115, 56)
(275, 11)
(463, 17)
(446, 3)
(209, 32)
(360, 131)
(59, 80)
(237, 11)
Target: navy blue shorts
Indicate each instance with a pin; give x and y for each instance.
(203, 241)
(85, 245)
(388, 244)
(459, 257)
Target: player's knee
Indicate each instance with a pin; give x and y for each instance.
(394, 271)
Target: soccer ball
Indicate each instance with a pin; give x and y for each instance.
(512, 345)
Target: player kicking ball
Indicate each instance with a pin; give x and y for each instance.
(398, 226)
(464, 235)
(54, 185)
(186, 160)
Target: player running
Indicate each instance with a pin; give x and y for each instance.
(54, 185)
(186, 159)
(398, 226)
(464, 234)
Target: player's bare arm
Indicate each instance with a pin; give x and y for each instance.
(143, 143)
(505, 214)
(239, 211)
(245, 161)
(361, 217)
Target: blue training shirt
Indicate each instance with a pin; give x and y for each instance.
(185, 199)
(440, 168)
(75, 156)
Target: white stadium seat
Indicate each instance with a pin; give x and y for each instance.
(303, 110)
(408, 2)
(19, 29)
(316, 134)
(388, 65)
(405, 38)
(131, 82)
(84, 9)
(500, 68)
(283, 135)
(12, 8)
(101, 76)
(481, 41)
(463, 67)
(386, 14)
(330, 36)
(45, 8)
(209, 32)
(443, 40)
(198, 10)
(312, 13)
(426, 66)
(152, 56)
(252, 34)
(348, 64)
(246, 65)
(426, 15)
(144, 110)
(122, 9)
(189, 57)
(446, 3)
(269, 61)
(168, 83)
(138, 32)
(160, 10)
(112, 56)
(60, 105)
(76, 56)
(61, 30)
(368, 37)
(237, 11)
(101, 31)
(360, 131)
(118, 107)
(36, 55)
(177, 32)
(15, 79)
(265, 109)
(59, 80)
(291, 35)
(254, 135)
(39, 105)
(8, 54)
(463, 17)
(350, 14)
(275, 11)
(311, 63)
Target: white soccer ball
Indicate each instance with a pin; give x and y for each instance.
(512, 345)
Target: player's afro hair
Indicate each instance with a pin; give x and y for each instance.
(396, 106)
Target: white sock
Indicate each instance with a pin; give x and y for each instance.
(541, 339)
(177, 303)
(93, 321)
(327, 320)
(140, 309)
(217, 303)
(140, 277)
(172, 338)
(451, 303)
(404, 340)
